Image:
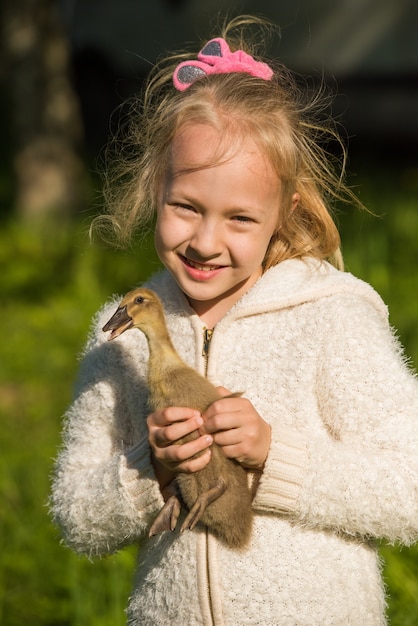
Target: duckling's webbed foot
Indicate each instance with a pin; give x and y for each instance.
(168, 516)
(201, 503)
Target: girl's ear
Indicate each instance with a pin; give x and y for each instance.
(295, 201)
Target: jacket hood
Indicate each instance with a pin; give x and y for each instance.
(285, 285)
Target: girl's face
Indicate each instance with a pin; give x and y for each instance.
(214, 223)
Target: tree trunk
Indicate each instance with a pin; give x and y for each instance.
(46, 123)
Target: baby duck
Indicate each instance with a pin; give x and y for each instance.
(219, 494)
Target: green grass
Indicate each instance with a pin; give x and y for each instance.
(52, 283)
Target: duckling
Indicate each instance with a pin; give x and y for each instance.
(218, 495)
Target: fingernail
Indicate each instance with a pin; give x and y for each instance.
(199, 420)
(209, 439)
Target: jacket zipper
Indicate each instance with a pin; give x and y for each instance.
(207, 338)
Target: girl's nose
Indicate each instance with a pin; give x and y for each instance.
(206, 240)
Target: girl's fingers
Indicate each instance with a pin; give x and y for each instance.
(171, 415)
(188, 457)
(225, 414)
(239, 430)
(166, 428)
(167, 435)
(195, 464)
(228, 437)
(178, 453)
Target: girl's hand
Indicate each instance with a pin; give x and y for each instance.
(165, 427)
(239, 430)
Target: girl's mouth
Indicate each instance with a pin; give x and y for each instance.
(200, 270)
(200, 266)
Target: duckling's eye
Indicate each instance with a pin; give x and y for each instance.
(139, 300)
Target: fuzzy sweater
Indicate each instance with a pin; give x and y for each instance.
(313, 350)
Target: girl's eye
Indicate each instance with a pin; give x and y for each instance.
(184, 207)
(243, 219)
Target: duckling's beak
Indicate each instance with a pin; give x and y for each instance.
(118, 323)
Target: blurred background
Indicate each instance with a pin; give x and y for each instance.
(65, 68)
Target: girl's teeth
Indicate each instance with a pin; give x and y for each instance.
(204, 268)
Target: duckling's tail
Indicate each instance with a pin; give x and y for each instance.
(219, 497)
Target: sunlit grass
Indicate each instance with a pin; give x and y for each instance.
(54, 284)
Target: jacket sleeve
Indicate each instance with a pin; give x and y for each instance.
(358, 473)
(104, 491)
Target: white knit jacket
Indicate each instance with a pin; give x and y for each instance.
(312, 349)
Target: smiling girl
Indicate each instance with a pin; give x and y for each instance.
(214, 223)
(327, 427)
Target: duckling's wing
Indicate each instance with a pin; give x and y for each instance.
(182, 386)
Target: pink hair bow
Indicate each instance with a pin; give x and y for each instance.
(216, 58)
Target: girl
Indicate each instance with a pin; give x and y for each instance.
(327, 428)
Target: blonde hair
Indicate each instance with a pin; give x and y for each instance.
(274, 113)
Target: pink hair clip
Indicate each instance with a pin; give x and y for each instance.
(216, 58)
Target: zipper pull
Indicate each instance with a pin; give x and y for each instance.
(207, 336)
